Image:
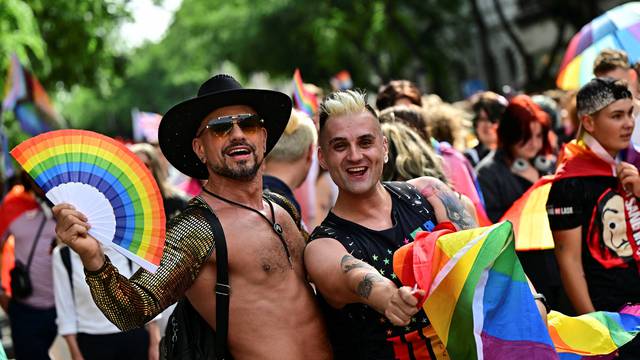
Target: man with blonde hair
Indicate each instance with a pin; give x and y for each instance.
(349, 257)
(287, 165)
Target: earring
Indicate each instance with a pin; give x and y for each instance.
(203, 160)
(386, 158)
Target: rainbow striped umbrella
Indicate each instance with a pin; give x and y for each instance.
(618, 28)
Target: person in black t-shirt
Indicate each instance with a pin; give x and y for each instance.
(369, 314)
(592, 216)
(287, 165)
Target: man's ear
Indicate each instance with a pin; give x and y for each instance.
(321, 160)
(310, 153)
(385, 146)
(588, 123)
(264, 142)
(198, 148)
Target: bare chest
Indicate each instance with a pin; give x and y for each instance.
(255, 250)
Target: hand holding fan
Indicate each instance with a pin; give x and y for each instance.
(105, 181)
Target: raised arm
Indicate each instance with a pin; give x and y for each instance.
(568, 252)
(447, 204)
(342, 279)
(130, 303)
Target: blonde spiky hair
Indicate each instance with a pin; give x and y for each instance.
(344, 102)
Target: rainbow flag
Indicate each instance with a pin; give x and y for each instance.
(29, 101)
(481, 307)
(529, 213)
(478, 298)
(593, 334)
(304, 100)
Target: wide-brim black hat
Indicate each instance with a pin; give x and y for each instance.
(179, 125)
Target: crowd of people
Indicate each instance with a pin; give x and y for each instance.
(309, 209)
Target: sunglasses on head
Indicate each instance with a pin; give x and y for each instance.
(248, 123)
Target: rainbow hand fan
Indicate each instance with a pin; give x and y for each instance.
(105, 181)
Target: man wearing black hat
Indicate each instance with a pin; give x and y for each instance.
(222, 135)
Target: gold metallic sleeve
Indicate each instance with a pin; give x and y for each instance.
(130, 303)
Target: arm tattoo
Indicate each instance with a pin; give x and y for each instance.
(433, 187)
(456, 211)
(349, 263)
(366, 285)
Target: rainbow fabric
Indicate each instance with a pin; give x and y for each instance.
(480, 304)
(304, 100)
(618, 28)
(478, 298)
(26, 97)
(529, 213)
(591, 334)
(77, 157)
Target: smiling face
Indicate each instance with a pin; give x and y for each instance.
(612, 126)
(237, 154)
(353, 149)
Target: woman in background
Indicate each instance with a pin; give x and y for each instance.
(524, 154)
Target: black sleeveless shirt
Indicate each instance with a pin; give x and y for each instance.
(358, 331)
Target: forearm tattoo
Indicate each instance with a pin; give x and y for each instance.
(456, 211)
(366, 285)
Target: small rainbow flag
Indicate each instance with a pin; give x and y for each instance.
(529, 213)
(478, 298)
(29, 101)
(597, 333)
(342, 81)
(105, 181)
(304, 100)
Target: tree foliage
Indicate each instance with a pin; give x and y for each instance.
(375, 41)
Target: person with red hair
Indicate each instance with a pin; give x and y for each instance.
(523, 155)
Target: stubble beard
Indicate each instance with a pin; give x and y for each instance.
(243, 171)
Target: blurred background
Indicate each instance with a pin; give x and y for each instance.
(98, 60)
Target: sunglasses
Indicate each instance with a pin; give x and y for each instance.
(222, 126)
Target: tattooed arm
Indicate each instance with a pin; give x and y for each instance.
(448, 204)
(342, 279)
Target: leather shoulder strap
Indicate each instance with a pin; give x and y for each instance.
(65, 254)
(223, 289)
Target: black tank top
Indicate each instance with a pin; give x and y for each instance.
(358, 331)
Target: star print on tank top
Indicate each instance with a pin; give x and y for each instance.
(358, 331)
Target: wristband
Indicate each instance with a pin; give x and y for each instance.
(540, 297)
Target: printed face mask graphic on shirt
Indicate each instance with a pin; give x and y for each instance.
(614, 229)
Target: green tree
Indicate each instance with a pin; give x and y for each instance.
(81, 40)
(19, 34)
(376, 41)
